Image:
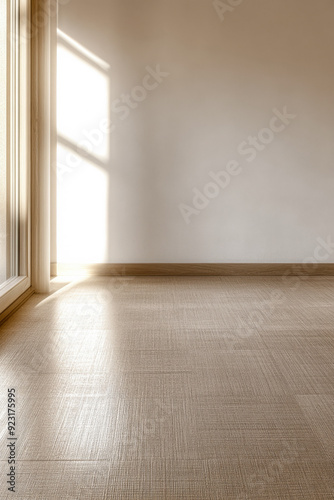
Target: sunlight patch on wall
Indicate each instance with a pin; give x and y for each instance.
(82, 213)
(83, 102)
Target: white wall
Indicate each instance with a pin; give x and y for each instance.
(122, 203)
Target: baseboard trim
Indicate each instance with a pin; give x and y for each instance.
(16, 305)
(58, 269)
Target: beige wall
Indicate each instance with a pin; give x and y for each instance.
(123, 202)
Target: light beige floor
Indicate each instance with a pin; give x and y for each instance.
(172, 388)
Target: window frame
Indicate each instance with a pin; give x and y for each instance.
(19, 158)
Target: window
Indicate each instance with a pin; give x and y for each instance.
(9, 144)
(14, 151)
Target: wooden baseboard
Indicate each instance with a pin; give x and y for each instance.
(192, 269)
(16, 305)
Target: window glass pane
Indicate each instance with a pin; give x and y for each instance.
(8, 141)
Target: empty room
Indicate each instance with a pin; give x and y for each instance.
(166, 249)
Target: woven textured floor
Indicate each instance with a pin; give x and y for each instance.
(172, 389)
